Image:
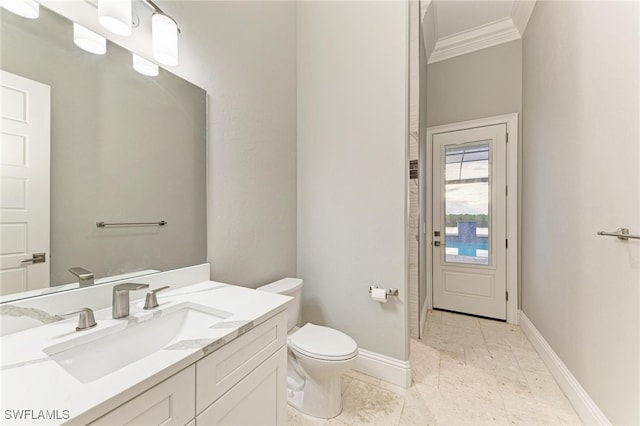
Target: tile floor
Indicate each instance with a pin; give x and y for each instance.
(466, 371)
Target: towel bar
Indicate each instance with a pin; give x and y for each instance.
(104, 225)
(621, 233)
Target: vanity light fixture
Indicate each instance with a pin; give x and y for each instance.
(25, 8)
(87, 40)
(164, 39)
(144, 66)
(116, 16)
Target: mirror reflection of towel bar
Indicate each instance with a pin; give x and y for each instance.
(621, 233)
(104, 225)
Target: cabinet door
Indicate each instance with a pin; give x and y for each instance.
(171, 402)
(258, 399)
(220, 371)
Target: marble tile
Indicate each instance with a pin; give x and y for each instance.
(513, 385)
(451, 333)
(527, 410)
(466, 371)
(443, 345)
(367, 404)
(462, 321)
(545, 389)
(506, 364)
(451, 361)
(471, 401)
(416, 411)
(425, 363)
(295, 417)
(357, 376)
(479, 356)
(334, 422)
(484, 322)
(529, 360)
(504, 336)
(434, 316)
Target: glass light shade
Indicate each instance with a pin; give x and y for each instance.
(25, 8)
(88, 40)
(144, 66)
(115, 15)
(164, 39)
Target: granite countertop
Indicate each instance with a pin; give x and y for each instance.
(34, 385)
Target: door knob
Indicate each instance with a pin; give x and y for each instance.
(37, 258)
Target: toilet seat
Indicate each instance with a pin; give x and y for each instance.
(323, 343)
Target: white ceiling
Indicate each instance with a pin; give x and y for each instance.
(458, 16)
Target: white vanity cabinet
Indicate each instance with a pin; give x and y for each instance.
(241, 383)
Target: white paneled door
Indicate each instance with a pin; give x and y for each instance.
(469, 221)
(24, 183)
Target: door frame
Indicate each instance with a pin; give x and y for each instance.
(426, 206)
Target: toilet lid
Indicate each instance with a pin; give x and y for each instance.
(323, 343)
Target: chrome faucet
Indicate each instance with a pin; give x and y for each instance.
(85, 277)
(86, 319)
(120, 307)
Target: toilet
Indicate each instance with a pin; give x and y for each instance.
(318, 356)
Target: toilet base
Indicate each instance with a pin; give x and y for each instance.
(321, 398)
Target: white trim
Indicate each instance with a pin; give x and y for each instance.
(382, 367)
(511, 121)
(423, 317)
(521, 13)
(429, 26)
(482, 37)
(586, 408)
(488, 35)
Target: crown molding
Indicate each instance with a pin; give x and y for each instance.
(502, 31)
(521, 13)
(482, 37)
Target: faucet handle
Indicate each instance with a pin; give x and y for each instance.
(85, 277)
(129, 287)
(86, 319)
(152, 300)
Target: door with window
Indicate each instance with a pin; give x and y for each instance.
(469, 221)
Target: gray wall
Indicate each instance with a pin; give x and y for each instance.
(581, 153)
(352, 167)
(244, 55)
(124, 147)
(476, 85)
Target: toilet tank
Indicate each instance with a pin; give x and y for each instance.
(291, 287)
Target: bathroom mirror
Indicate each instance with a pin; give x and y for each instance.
(124, 147)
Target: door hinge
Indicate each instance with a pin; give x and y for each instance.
(506, 294)
(506, 243)
(507, 137)
(506, 191)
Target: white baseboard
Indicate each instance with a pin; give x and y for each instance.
(586, 408)
(382, 367)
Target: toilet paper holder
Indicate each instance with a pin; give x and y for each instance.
(390, 291)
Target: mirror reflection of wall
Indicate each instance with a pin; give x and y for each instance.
(124, 148)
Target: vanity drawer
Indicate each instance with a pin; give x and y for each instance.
(259, 399)
(170, 402)
(220, 371)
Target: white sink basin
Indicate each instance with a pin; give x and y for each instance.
(93, 356)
